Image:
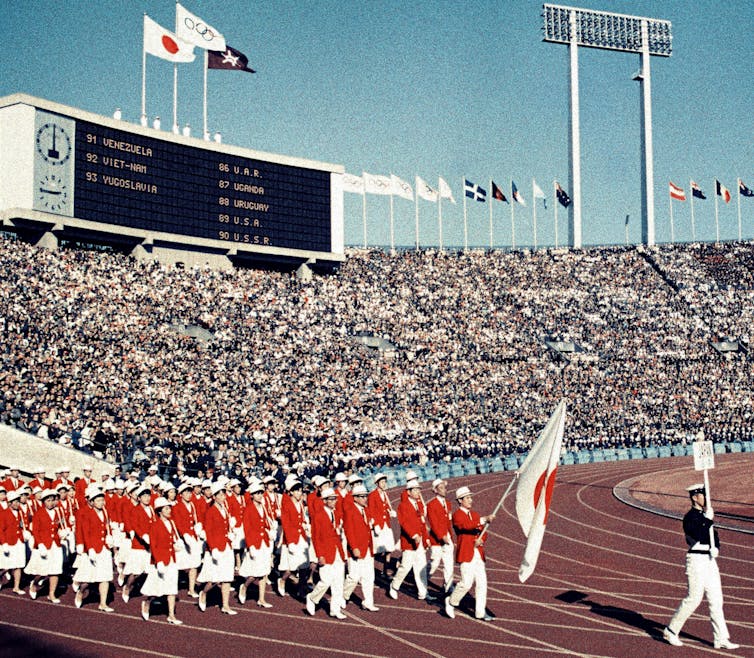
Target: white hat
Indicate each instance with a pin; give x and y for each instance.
(256, 486)
(234, 483)
(14, 495)
(38, 469)
(436, 483)
(184, 486)
(154, 480)
(380, 476)
(153, 467)
(109, 485)
(318, 480)
(411, 475)
(328, 492)
(161, 501)
(353, 479)
(340, 477)
(120, 484)
(62, 487)
(291, 482)
(142, 489)
(359, 490)
(37, 489)
(86, 467)
(696, 488)
(217, 487)
(462, 492)
(270, 479)
(413, 484)
(206, 484)
(93, 491)
(46, 493)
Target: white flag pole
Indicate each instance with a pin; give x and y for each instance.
(144, 77)
(416, 206)
(693, 223)
(556, 203)
(738, 187)
(513, 223)
(439, 211)
(491, 199)
(206, 66)
(364, 213)
(465, 221)
(534, 213)
(392, 230)
(717, 221)
(175, 99)
(672, 228)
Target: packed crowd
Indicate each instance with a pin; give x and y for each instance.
(94, 355)
(150, 537)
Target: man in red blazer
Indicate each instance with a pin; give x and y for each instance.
(414, 543)
(356, 524)
(294, 553)
(328, 544)
(381, 512)
(440, 537)
(468, 526)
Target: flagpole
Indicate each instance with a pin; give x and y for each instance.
(499, 503)
(738, 185)
(175, 99)
(491, 198)
(439, 211)
(693, 224)
(513, 223)
(465, 221)
(555, 202)
(364, 213)
(392, 230)
(144, 80)
(416, 221)
(534, 213)
(625, 228)
(672, 229)
(206, 66)
(717, 220)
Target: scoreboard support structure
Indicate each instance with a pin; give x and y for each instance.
(69, 175)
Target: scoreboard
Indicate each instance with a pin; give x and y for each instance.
(103, 171)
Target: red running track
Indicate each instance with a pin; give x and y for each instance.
(608, 579)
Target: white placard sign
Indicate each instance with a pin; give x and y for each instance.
(704, 455)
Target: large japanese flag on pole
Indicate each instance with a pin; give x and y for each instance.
(536, 480)
(164, 44)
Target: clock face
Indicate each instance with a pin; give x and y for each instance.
(53, 144)
(52, 193)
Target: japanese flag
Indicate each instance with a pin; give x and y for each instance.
(164, 44)
(536, 480)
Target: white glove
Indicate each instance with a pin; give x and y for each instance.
(187, 539)
(26, 535)
(132, 534)
(64, 532)
(709, 513)
(145, 538)
(80, 549)
(6, 550)
(42, 551)
(92, 554)
(714, 551)
(291, 547)
(109, 541)
(198, 528)
(160, 570)
(215, 555)
(393, 513)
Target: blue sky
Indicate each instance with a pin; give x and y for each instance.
(431, 89)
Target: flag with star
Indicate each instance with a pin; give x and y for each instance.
(230, 59)
(743, 190)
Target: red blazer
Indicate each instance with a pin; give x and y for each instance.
(217, 527)
(256, 526)
(438, 515)
(163, 539)
(80, 488)
(140, 524)
(292, 520)
(202, 505)
(272, 504)
(11, 484)
(92, 529)
(379, 509)
(42, 484)
(184, 517)
(467, 527)
(413, 522)
(236, 506)
(327, 538)
(11, 526)
(44, 529)
(356, 524)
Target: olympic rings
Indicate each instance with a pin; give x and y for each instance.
(201, 29)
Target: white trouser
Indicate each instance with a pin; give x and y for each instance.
(331, 576)
(704, 578)
(442, 555)
(360, 572)
(416, 560)
(471, 573)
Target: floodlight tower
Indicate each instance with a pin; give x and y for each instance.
(608, 31)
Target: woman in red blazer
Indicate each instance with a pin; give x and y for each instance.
(257, 559)
(46, 559)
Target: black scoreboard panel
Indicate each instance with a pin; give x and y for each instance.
(146, 183)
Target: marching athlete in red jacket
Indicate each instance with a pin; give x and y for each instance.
(218, 564)
(47, 555)
(440, 533)
(357, 527)
(294, 553)
(257, 560)
(186, 520)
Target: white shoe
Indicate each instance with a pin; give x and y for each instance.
(145, 610)
(78, 599)
(671, 638)
(311, 607)
(202, 603)
(726, 644)
(339, 615)
(371, 608)
(281, 587)
(392, 592)
(174, 621)
(242, 594)
(228, 611)
(449, 609)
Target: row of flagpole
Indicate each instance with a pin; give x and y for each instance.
(178, 48)
(393, 186)
(677, 193)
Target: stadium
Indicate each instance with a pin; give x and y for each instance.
(161, 344)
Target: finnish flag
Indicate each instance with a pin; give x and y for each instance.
(473, 191)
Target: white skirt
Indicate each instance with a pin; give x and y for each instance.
(98, 571)
(256, 563)
(156, 586)
(237, 540)
(191, 558)
(137, 562)
(50, 565)
(295, 559)
(222, 571)
(384, 540)
(16, 558)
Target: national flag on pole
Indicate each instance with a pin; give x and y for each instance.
(229, 58)
(562, 195)
(516, 194)
(424, 191)
(722, 191)
(445, 191)
(537, 192)
(536, 480)
(497, 193)
(473, 191)
(375, 184)
(193, 29)
(164, 44)
(743, 190)
(696, 191)
(353, 183)
(676, 192)
(401, 188)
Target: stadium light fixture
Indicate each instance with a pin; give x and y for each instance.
(609, 31)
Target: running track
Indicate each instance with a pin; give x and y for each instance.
(609, 577)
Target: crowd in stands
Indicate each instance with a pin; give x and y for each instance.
(93, 354)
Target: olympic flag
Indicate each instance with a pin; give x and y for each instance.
(536, 480)
(193, 29)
